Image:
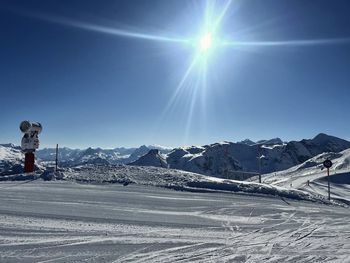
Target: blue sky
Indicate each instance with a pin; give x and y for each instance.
(93, 88)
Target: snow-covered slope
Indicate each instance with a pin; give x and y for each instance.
(212, 159)
(10, 159)
(219, 158)
(310, 176)
(341, 162)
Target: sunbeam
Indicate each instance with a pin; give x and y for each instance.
(123, 33)
(103, 29)
(288, 43)
(193, 98)
(218, 21)
(180, 86)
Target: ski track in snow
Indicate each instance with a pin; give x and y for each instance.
(72, 222)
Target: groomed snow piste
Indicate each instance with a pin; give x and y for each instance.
(64, 221)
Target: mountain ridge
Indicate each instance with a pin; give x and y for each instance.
(216, 159)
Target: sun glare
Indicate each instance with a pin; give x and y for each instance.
(205, 42)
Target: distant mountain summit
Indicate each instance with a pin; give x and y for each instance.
(152, 158)
(326, 143)
(247, 142)
(274, 141)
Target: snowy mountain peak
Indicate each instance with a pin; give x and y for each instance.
(159, 147)
(273, 141)
(247, 142)
(323, 138)
(152, 158)
(90, 151)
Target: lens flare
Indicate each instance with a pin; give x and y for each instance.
(205, 42)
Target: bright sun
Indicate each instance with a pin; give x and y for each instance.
(205, 42)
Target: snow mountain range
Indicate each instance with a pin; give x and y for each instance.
(11, 157)
(72, 157)
(220, 159)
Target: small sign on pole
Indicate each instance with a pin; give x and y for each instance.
(328, 164)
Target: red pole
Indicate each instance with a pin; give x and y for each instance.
(29, 162)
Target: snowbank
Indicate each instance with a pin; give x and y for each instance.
(179, 180)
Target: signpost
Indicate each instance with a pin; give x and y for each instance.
(259, 162)
(56, 160)
(328, 164)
